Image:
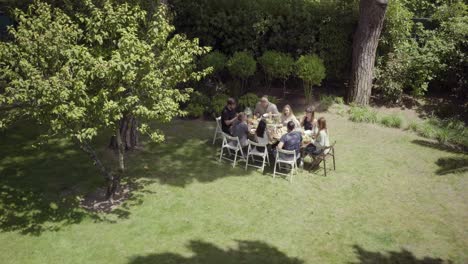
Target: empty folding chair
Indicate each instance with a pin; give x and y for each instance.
(231, 144)
(218, 131)
(257, 150)
(285, 158)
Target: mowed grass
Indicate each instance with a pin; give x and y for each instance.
(394, 198)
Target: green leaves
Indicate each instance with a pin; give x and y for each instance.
(81, 74)
(214, 59)
(277, 64)
(311, 70)
(242, 64)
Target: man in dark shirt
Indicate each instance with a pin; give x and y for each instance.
(228, 116)
(292, 140)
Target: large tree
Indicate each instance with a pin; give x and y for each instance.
(81, 76)
(366, 39)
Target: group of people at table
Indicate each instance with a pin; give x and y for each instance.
(239, 125)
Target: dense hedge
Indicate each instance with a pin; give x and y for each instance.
(291, 26)
(423, 44)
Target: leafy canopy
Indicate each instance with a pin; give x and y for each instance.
(214, 59)
(310, 68)
(78, 75)
(276, 64)
(242, 65)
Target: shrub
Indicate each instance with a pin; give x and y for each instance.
(218, 102)
(413, 126)
(198, 104)
(443, 130)
(276, 65)
(392, 121)
(427, 130)
(326, 101)
(242, 65)
(248, 100)
(214, 59)
(339, 100)
(362, 114)
(311, 70)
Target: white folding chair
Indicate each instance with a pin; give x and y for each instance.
(253, 151)
(285, 158)
(218, 131)
(231, 143)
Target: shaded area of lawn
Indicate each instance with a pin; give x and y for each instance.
(456, 165)
(254, 252)
(185, 157)
(393, 257)
(259, 252)
(40, 185)
(447, 165)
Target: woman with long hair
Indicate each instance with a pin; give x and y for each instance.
(309, 122)
(261, 134)
(320, 144)
(288, 115)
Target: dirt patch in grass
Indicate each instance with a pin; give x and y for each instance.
(97, 202)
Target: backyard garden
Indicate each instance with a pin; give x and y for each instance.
(114, 113)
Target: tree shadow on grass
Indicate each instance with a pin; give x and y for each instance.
(393, 257)
(450, 165)
(447, 165)
(438, 146)
(248, 252)
(186, 156)
(40, 186)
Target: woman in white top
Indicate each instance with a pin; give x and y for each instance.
(288, 115)
(320, 144)
(322, 141)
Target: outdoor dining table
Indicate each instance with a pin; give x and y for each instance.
(275, 130)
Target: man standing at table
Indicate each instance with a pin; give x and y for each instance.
(228, 116)
(264, 107)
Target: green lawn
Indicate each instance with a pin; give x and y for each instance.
(394, 198)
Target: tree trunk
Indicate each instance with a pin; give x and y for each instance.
(366, 39)
(128, 132)
(109, 176)
(114, 184)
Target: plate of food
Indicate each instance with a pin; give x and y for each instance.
(308, 133)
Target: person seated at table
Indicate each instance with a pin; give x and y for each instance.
(265, 107)
(241, 130)
(309, 122)
(228, 116)
(288, 115)
(292, 140)
(319, 145)
(261, 133)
